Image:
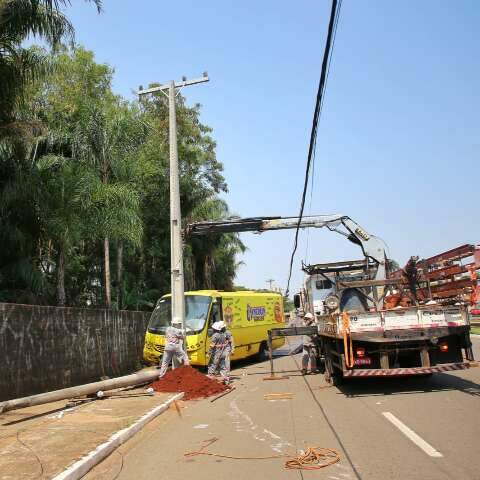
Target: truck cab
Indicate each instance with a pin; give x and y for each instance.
(328, 287)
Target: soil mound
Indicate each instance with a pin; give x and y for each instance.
(192, 382)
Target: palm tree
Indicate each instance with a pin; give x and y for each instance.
(65, 204)
(20, 19)
(105, 137)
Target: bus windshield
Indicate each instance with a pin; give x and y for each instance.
(196, 311)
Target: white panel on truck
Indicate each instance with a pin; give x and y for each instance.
(363, 322)
(398, 319)
(433, 318)
(455, 317)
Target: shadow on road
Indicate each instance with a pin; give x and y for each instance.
(439, 382)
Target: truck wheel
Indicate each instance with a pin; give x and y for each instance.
(332, 374)
(321, 364)
(328, 370)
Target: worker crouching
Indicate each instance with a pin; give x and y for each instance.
(309, 347)
(221, 347)
(174, 336)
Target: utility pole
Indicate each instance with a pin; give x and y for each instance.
(176, 246)
(270, 283)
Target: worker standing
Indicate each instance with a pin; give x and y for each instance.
(174, 347)
(221, 347)
(309, 347)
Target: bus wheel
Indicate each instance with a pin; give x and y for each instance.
(263, 354)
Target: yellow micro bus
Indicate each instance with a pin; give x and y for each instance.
(248, 315)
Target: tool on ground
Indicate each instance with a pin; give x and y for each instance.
(314, 458)
(176, 406)
(278, 396)
(222, 394)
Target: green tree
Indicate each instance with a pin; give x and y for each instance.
(19, 66)
(105, 137)
(85, 191)
(65, 201)
(22, 273)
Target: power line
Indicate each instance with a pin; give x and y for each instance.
(332, 28)
(312, 183)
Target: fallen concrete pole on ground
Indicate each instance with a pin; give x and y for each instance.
(65, 393)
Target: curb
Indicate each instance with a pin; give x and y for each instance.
(85, 464)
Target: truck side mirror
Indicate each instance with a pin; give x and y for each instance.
(296, 301)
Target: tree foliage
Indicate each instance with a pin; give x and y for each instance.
(84, 187)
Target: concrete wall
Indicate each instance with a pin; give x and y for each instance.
(47, 348)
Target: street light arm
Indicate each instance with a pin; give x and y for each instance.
(166, 86)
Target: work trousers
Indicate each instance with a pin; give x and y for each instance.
(309, 354)
(220, 363)
(173, 351)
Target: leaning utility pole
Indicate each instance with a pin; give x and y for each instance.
(176, 248)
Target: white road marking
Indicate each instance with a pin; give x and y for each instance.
(243, 423)
(409, 433)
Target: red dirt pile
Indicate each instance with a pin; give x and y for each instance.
(191, 381)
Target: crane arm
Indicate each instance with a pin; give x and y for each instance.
(372, 247)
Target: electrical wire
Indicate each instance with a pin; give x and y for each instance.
(329, 44)
(314, 458)
(312, 182)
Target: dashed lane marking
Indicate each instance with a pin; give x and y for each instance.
(410, 434)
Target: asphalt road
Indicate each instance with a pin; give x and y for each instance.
(392, 429)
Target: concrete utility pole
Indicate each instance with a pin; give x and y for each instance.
(176, 247)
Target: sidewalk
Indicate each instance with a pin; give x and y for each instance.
(42, 441)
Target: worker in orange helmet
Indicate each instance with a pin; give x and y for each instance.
(309, 347)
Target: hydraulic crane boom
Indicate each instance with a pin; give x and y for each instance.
(373, 248)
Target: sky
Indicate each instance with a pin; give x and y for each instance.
(398, 141)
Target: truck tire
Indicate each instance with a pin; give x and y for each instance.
(332, 375)
(321, 364)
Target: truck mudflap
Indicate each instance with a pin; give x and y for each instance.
(399, 372)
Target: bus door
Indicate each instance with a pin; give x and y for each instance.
(215, 316)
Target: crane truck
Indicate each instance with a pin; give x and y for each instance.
(359, 332)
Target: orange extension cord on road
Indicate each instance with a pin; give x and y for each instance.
(314, 458)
